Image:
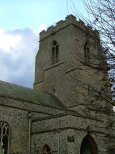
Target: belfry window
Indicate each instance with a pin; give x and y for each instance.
(55, 52)
(87, 53)
(4, 138)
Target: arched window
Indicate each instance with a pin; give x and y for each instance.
(87, 53)
(55, 52)
(4, 138)
(46, 149)
(88, 145)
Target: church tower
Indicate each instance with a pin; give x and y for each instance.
(70, 65)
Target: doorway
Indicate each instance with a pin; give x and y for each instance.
(88, 145)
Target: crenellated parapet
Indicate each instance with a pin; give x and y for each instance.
(64, 23)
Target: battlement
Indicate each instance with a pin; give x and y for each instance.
(64, 23)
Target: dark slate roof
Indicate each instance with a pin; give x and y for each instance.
(27, 94)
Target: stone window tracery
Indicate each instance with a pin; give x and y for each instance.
(4, 138)
(55, 52)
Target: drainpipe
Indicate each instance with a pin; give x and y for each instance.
(29, 131)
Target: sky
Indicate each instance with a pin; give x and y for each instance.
(20, 24)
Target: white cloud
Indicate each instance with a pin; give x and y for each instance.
(42, 27)
(8, 41)
(18, 48)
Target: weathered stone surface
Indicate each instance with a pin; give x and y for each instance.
(61, 112)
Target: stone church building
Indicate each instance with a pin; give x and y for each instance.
(68, 110)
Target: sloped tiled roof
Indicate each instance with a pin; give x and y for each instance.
(27, 94)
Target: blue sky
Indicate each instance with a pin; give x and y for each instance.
(20, 23)
(32, 13)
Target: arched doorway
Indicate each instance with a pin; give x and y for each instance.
(88, 145)
(46, 149)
